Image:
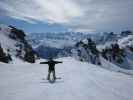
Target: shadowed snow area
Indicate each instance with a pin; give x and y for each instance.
(80, 81)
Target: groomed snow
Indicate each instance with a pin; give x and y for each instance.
(80, 81)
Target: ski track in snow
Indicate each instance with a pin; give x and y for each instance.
(80, 81)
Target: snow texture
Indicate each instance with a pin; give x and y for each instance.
(80, 81)
(5, 41)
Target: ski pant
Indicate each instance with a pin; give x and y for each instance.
(49, 73)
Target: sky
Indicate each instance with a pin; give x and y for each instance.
(67, 15)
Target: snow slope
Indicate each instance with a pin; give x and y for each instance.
(80, 81)
(5, 41)
(113, 67)
(126, 41)
(14, 42)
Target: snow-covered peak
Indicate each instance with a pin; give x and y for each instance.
(126, 41)
(13, 43)
(5, 41)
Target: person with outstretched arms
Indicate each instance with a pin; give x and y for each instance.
(51, 63)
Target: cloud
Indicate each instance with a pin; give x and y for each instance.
(51, 11)
(77, 15)
(105, 15)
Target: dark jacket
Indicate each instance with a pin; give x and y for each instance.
(51, 64)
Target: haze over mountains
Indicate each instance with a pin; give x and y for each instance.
(92, 48)
(69, 39)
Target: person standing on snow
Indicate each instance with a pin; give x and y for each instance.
(51, 63)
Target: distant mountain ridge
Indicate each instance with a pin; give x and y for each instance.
(56, 44)
(87, 47)
(51, 42)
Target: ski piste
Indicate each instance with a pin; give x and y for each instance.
(80, 81)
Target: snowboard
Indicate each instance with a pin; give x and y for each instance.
(52, 80)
